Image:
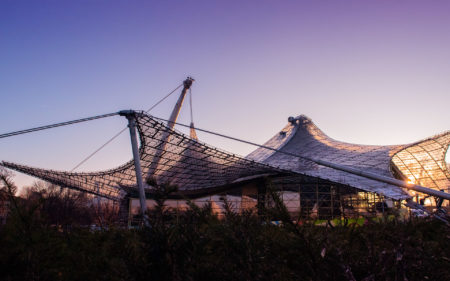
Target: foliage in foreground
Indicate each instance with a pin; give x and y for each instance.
(196, 245)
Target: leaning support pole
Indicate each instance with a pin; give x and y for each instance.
(170, 124)
(176, 110)
(131, 116)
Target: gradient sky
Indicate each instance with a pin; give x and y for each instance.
(370, 72)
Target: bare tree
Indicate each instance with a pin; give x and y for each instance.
(7, 186)
(7, 192)
(60, 207)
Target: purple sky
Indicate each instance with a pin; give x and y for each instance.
(371, 72)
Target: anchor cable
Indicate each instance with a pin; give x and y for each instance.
(56, 125)
(123, 130)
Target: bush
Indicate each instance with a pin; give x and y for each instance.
(196, 245)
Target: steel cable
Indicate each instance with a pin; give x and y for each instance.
(56, 125)
(123, 130)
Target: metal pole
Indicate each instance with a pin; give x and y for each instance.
(176, 110)
(130, 115)
(170, 124)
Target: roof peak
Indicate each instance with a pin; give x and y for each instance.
(300, 119)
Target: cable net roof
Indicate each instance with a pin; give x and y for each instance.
(170, 156)
(167, 156)
(304, 138)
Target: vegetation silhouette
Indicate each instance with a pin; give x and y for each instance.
(198, 245)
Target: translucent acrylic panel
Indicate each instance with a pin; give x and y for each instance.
(426, 163)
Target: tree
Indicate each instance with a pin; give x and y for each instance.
(7, 186)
